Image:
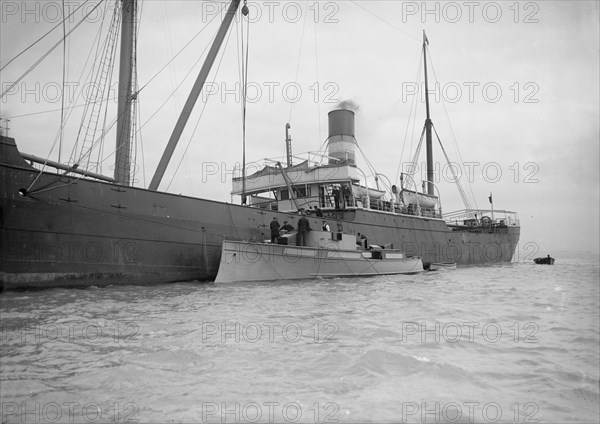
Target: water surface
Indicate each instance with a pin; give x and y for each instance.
(499, 343)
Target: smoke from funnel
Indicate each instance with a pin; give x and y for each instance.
(348, 104)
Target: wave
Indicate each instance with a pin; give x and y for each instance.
(382, 363)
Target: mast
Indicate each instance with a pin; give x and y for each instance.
(125, 101)
(193, 96)
(428, 124)
(288, 144)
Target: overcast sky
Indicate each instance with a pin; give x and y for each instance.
(519, 82)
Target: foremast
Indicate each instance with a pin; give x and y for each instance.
(428, 124)
(125, 109)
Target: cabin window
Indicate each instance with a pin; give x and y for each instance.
(299, 192)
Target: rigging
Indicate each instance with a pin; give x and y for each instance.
(45, 55)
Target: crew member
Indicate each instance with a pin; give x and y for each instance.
(346, 193)
(287, 227)
(325, 226)
(303, 229)
(274, 230)
(361, 240)
(336, 197)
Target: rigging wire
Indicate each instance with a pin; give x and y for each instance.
(94, 143)
(453, 136)
(175, 90)
(52, 29)
(172, 92)
(201, 111)
(137, 92)
(413, 108)
(32, 67)
(86, 104)
(28, 190)
(102, 79)
(70, 109)
(318, 81)
(184, 78)
(462, 193)
(414, 162)
(100, 140)
(62, 97)
(172, 74)
(369, 165)
(168, 40)
(298, 63)
(180, 51)
(141, 143)
(385, 21)
(134, 104)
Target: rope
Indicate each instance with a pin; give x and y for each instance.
(386, 22)
(71, 108)
(179, 52)
(182, 81)
(60, 133)
(413, 105)
(32, 67)
(456, 180)
(201, 113)
(318, 80)
(298, 63)
(93, 110)
(414, 162)
(453, 136)
(64, 77)
(52, 29)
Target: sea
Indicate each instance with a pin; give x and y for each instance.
(506, 343)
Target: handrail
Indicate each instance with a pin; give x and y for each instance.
(455, 217)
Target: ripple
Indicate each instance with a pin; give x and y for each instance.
(169, 348)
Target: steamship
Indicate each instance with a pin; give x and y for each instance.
(72, 227)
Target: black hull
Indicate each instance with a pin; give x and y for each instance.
(69, 231)
(544, 261)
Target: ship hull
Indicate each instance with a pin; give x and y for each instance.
(70, 231)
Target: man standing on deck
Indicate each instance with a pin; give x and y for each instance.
(303, 229)
(336, 197)
(274, 230)
(346, 195)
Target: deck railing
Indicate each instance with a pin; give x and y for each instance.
(482, 217)
(326, 203)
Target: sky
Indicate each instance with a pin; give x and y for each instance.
(514, 95)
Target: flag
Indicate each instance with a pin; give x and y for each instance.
(490, 198)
